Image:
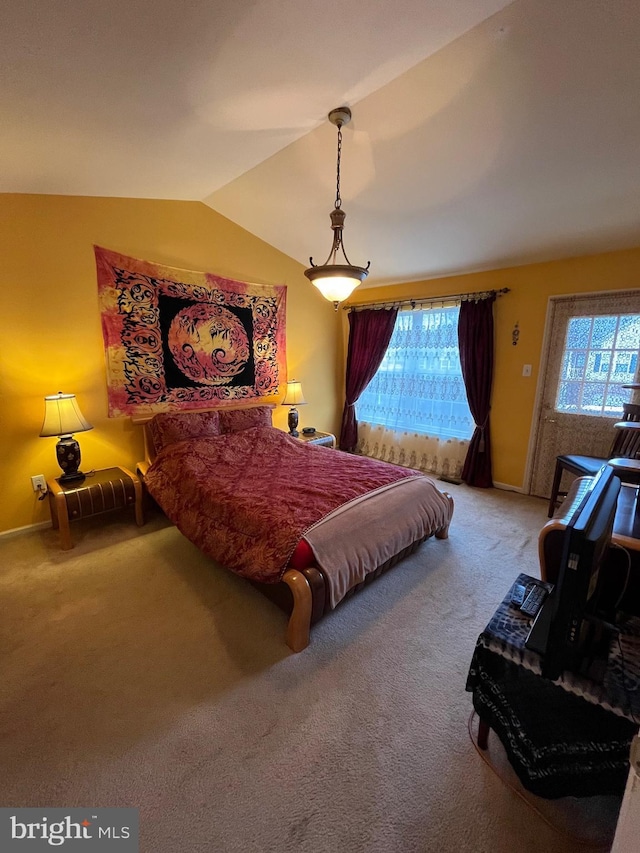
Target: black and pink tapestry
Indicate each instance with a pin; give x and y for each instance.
(178, 339)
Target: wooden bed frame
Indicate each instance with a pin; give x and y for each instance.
(302, 594)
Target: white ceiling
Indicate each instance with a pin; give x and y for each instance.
(485, 133)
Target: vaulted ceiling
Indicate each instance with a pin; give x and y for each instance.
(484, 133)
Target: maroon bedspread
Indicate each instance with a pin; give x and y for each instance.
(246, 498)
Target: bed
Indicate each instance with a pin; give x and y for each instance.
(307, 525)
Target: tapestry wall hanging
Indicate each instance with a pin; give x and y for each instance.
(178, 339)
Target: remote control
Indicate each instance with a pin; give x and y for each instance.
(534, 601)
(518, 594)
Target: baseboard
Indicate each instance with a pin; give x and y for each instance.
(28, 528)
(507, 487)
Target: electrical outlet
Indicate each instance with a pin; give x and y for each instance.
(39, 483)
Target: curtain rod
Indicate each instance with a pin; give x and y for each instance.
(428, 300)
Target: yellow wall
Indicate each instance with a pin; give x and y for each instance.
(530, 288)
(51, 338)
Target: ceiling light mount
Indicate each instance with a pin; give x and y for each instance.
(336, 281)
(340, 116)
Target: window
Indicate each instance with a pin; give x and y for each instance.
(600, 355)
(419, 385)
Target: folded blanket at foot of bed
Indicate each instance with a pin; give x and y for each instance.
(355, 539)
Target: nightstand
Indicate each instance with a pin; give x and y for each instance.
(326, 439)
(101, 491)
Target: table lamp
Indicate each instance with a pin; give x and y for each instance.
(293, 398)
(62, 417)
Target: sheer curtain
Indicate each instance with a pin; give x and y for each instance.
(439, 456)
(414, 411)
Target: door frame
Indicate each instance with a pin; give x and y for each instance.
(536, 414)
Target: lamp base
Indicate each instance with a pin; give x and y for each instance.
(292, 420)
(68, 453)
(67, 478)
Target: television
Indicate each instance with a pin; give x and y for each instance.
(570, 632)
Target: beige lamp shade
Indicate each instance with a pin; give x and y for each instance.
(294, 395)
(62, 416)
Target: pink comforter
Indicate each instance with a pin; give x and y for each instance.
(247, 498)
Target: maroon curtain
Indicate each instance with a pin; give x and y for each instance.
(475, 342)
(369, 335)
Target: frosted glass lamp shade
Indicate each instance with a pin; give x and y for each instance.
(335, 288)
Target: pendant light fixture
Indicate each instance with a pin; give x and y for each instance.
(337, 281)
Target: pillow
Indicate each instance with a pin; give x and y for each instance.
(170, 427)
(239, 419)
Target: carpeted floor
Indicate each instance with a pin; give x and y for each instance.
(135, 672)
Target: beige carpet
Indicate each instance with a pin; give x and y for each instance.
(137, 673)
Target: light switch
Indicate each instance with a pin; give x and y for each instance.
(526, 370)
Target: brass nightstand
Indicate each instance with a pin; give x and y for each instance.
(101, 491)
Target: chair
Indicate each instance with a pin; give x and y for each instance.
(626, 445)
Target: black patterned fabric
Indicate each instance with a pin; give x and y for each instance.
(569, 737)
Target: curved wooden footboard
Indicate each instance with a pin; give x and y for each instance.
(443, 533)
(299, 626)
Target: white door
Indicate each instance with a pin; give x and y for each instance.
(592, 350)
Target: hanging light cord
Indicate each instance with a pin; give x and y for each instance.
(338, 202)
(337, 215)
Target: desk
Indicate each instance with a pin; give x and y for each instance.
(628, 470)
(569, 737)
(626, 525)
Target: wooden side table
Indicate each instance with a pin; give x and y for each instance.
(326, 439)
(101, 491)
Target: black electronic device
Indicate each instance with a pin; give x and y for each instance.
(569, 632)
(534, 600)
(308, 430)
